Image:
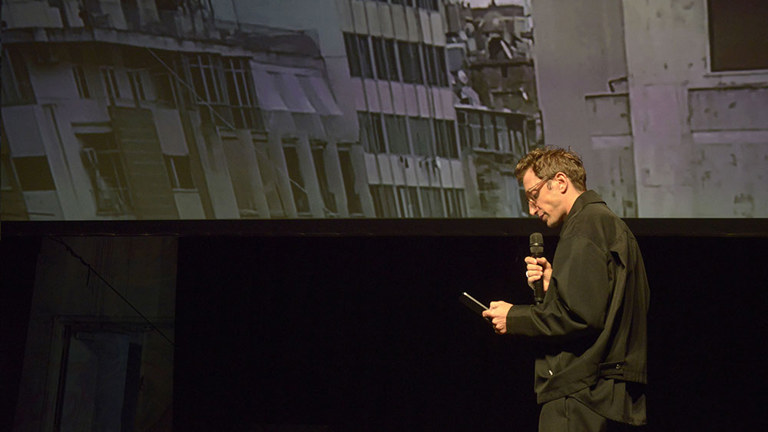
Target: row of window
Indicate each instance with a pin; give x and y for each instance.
(417, 202)
(497, 131)
(424, 4)
(221, 87)
(299, 178)
(397, 134)
(391, 60)
(104, 166)
(105, 171)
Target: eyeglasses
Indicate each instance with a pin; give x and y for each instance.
(533, 193)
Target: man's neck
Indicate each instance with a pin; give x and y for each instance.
(571, 199)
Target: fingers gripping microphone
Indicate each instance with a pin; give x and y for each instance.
(537, 251)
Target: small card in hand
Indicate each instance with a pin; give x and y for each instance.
(472, 303)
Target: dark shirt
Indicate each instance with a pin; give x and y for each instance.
(593, 321)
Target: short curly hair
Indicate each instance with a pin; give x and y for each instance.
(546, 162)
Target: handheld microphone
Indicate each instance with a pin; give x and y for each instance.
(537, 251)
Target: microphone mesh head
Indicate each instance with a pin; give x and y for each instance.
(537, 243)
(537, 239)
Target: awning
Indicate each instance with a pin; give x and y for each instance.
(293, 94)
(319, 95)
(304, 102)
(267, 91)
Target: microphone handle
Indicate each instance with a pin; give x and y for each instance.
(538, 286)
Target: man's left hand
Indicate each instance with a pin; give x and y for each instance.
(498, 315)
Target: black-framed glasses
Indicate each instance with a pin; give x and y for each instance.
(533, 193)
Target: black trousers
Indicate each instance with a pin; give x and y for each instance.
(569, 415)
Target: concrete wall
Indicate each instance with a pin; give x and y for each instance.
(697, 139)
(700, 137)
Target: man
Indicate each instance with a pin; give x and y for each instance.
(591, 374)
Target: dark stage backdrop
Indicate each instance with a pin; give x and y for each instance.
(366, 333)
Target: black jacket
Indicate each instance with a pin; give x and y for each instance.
(593, 321)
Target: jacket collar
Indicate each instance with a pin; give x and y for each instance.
(586, 198)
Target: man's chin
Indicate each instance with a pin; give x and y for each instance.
(551, 223)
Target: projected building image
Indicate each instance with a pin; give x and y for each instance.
(234, 110)
(227, 109)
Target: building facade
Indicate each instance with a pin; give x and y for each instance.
(155, 109)
(146, 110)
(388, 68)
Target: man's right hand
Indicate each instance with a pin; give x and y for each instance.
(535, 269)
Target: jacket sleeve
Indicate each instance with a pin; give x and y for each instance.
(578, 296)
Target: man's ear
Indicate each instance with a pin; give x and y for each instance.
(562, 182)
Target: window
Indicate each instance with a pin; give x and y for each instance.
(384, 201)
(318, 156)
(165, 71)
(16, 85)
(137, 86)
(179, 172)
(354, 204)
(386, 62)
(515, 125)
(494, 130)
(502, 134)
(371, 132)
(462, 120)
(475, 129)
(240, 92)
(104, 165)
(738, 35)
(410, 62)
(445, 135)
(430, 64)
(224, 89)
(397, 134)
(421, 136)
(409, 202)
(427, 4)
(489, 136)
(205, 79)
(353, 56)
(34, 173)
(442, 67)
(81, 82)
(300, 197)
(358, 55)
(454, 202)
(207, 74)
(165, 90)
(270, 179)
(432, 202)
(111, 85)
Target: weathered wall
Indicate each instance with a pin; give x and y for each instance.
(697, 140)
(700, 138)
